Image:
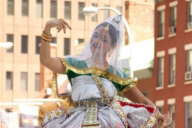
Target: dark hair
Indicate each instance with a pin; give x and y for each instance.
(112, 31)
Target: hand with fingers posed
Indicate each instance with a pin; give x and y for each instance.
(58, 23)
(165, 120)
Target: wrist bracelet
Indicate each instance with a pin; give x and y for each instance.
(45, 37)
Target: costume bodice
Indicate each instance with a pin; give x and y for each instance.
(84, 87)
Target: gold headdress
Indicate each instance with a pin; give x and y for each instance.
(106, 28)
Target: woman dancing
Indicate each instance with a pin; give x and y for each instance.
(96, 77)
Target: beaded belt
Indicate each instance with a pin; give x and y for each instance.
(84, 102)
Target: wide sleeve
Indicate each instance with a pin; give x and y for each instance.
(67, 62)
(121, 89)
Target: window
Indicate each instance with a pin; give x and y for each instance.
(161, 23)
(172, 69)
(145, 94)
(67, 46)
(24, 44)
(189, 61)
(10, 7)
(37, 82)
(81, 14)
(39, 8)
(53, 13)
(23, 81)
(54, 40)
(189, 115)
(94, 18)
(67, 10)
(173, 16)
(172, 107)
(38, 41)
(119, 8)
(80, 41)
(153, 18)
(9, 110)
(25, 7)
(189, 12)
(9, 80)
(160, 108)
(106, 13)
(10, 39)
(160, 71)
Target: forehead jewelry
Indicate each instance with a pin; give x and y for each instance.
(106, 28)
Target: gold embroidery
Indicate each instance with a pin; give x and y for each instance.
(121, 93)
(120, 112)
(53, 115)
(152, 120)
(91, 115)
(100, 72)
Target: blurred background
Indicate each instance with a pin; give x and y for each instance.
(160, 52)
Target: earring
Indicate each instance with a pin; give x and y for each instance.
(110, 52)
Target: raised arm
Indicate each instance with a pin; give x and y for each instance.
(52, 63)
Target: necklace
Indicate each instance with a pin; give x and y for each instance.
(96, 63)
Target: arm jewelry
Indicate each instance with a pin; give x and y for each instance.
(46, 37)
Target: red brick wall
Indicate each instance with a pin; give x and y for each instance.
(145, 85)
(139, 17)
(180, 90)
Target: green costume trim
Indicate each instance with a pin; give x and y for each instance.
(76, 68)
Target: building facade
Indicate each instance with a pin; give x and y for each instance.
(140, 16)
(172, 74)
(22, 22)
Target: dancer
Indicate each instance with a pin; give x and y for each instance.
(96, 77)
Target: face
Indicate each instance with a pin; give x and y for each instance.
(100, 41)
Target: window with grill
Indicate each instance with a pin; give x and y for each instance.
(189, 115)
(37, 47)
(10, 7)
(172, 69)
(9, 80)
(160, 71)
(53, 9)
(54, 40)
(37, 82)
(189, 61)
(67, 46)
(25, 5)
(24, 44)
(172, 107)
(23, 81)
(189, 11)
(161, 20)
(173, 16)
(67, 10)
(10, 38)
(160, 108)
(81, 14)
(39, 8)
(80, 41)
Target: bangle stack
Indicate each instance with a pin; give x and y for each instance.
(45, 37)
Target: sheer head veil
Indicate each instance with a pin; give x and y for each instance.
(102, 51)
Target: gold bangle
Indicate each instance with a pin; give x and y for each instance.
(45, 39)
(46, 36)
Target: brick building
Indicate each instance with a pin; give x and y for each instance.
(172, 75)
